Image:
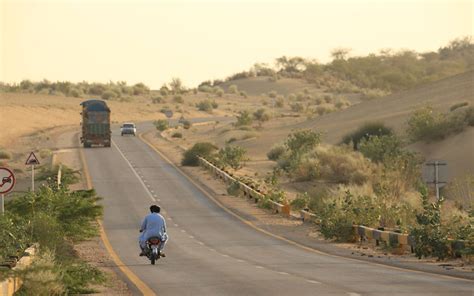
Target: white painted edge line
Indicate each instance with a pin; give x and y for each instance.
(135, 172)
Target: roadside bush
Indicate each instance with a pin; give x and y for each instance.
(428, 234)
(338, 215)
(157, 100)
(243, 94)
(340, 165)
(244, 118)
(276, 152)
(178, 99)
(203, 149)
(234, 188)
(219, 92)
(232, 156)
(297, 107)
(205, 106)
(300, 202)
(187, 124)
(177, 135)
(161, 124)
(428, 125)
(372, 94)
(4, 154)
(378, 148)
(366, 131)
(261, 116)
(272, 94)
(280, 102)
(233, 89)
(107, 95)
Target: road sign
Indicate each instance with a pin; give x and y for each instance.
(32, 160)
(7, 180)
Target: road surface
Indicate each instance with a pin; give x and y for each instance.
(210, 252)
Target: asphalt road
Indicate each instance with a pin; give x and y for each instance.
(210, 252)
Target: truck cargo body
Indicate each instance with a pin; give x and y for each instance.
(95, 123)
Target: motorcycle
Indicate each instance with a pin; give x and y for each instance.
(153, 249)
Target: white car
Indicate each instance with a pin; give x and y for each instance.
(128, 128)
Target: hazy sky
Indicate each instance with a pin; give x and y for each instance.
(153, 41)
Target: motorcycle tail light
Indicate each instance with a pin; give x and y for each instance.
(154, 241)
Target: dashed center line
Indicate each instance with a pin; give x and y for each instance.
(313, 282)
(201, 243)
(240, 260)
(259, 267)
(224, 255)
(182, 230)
(283, 273)
(191, 237)
(353, 294)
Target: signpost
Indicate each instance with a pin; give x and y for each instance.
(435, 177)
(32, 160)
(169, 114)
(7, 182)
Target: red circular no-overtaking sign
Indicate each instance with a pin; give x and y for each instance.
(7, 180)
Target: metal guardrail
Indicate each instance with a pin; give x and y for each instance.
(245, 189)
(9, 286)
(399, 242)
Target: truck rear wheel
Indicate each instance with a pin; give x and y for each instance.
(87, 145)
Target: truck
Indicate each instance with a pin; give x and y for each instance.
(95, 123)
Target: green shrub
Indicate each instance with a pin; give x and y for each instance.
(244, 118)
(178, 99)
(372, 94)
(272, 94)
(280, 102)
(5, 154)
(300, 202)
(378, 148)
(234, 188)
(366, 131)
(205, 106)
(243, 94)
(276, 152)
(232, 156)
(430, 239)
(297, 107)
(177, 135)
(261, 116)
(161, 124)
(233, 89)
(203, 149)
(428, 125)
(187, 124)
(107, 95)
(219, 92)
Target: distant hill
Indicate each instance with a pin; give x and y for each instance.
(393, 110)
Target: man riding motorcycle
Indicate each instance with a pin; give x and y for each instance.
(153, 225)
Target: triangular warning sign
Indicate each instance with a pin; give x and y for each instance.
(32, 160)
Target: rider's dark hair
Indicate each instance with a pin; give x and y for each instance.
(155, 209)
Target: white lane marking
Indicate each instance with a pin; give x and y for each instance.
(153, 193)
(213, 250)
(240, 260)
(224, 255)
(169, 218)
(201, 243)
(135, 172)
(353, 294)
(313, 282)
(191, 237)
(259, 267)
(182, 230)
(283, 273)
(175, 225)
